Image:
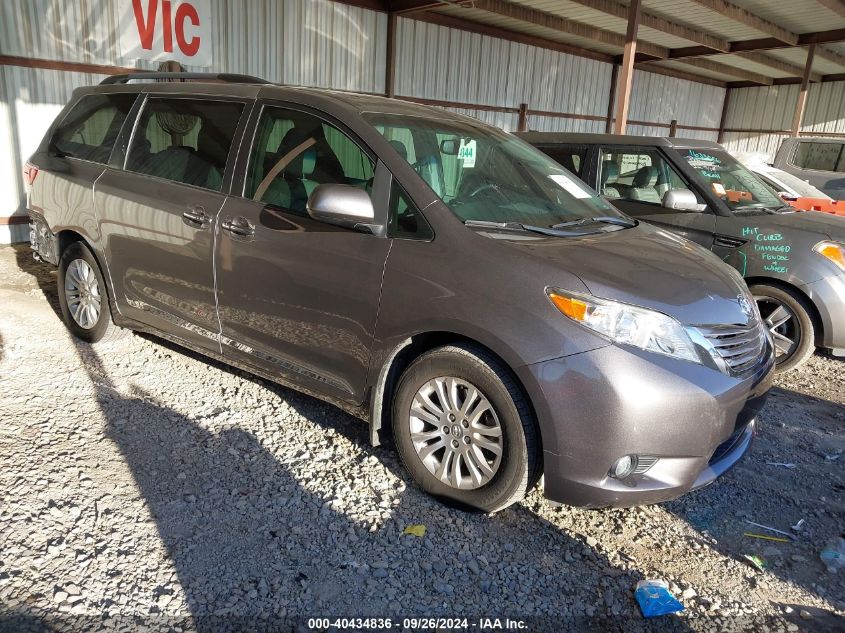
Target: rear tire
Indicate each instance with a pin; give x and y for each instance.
(471, 436)
(787, 316)
(83, 297)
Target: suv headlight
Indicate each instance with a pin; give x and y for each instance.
(626, 324)
(834, 251)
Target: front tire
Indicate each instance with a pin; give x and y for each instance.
(464, 430)
(82, 296)
(787, 316)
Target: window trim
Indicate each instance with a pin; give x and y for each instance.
(52, 132)
(395, 183)
(231, 157)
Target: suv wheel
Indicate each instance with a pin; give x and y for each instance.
(82, 296)
(464, 430)
(787, 317)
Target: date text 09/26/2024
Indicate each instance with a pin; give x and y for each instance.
(412, 624)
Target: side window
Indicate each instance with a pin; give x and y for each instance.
(572, 158)
(90, 128)
(641, 175)
(185, 140)
(295, 152)
(406, 221)
(820, 156)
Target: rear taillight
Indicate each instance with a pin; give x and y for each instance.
(29, 173)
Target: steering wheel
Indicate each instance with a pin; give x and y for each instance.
(488, 186)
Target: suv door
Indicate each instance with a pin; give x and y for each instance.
(158, 213)
(298, 298)
(820, 163)
(634, 179)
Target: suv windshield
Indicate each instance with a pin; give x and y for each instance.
(482, 173)
(728, 179)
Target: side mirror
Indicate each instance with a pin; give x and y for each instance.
(343, 205)
(450, 146)
(680, 200)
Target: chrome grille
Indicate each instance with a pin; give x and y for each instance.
(739, 346)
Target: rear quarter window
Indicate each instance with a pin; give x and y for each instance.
(89, 130)
(820, 156)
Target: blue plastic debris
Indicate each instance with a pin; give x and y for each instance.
(654, 598)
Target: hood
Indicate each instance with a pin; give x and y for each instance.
(826, 225)
(647, 267)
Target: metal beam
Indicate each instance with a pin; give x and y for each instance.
(738, 14)
(837, 6)
(830, 56)
(611, 99)
(564, 25)
(722, 69)
(625, 81)
(723, 119)
(611, 7)
(489, 30)
(802, 94)
(390, 61)
(778, 64)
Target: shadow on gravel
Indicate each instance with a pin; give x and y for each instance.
(791, 473)
(253, 549)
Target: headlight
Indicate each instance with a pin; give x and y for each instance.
(834, 251)
(627, 324)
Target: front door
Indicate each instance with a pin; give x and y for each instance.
(635, 179)
(296, 297)
(158, 215)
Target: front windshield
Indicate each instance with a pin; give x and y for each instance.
(728, 179)
(484, 174)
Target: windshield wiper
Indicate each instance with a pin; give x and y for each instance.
(519, 226)
(606, 219)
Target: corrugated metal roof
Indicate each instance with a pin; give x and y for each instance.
(798, 16)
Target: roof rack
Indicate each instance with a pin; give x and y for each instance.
(225, 77)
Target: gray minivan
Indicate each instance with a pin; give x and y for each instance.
(794, 263)
(438, 278)
(819, 161)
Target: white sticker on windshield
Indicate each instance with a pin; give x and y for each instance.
(466, 153)
(571, 186)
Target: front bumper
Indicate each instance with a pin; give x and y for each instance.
(598, 406)
(828, 295)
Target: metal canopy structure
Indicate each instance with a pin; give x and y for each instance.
(730, 44)
(735, 44)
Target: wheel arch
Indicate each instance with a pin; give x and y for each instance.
(66, 237)
(401, 356)
(815, 316)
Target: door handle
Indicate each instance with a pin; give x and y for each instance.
(196, 217)
(239, 226)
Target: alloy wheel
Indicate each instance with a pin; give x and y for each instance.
(456, 433)
(783, 325)
(83, 294)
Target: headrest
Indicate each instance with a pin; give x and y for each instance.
(210, 149)
(303, 165)
(400, 148)
(646, 177)
(609, 172)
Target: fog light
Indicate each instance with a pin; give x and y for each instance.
(623, 467)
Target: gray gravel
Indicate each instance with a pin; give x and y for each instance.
(144, 484)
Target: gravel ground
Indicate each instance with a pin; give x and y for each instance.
(142, 484)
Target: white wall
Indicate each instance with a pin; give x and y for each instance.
(764, 110)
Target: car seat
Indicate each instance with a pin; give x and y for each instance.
(609, 174)
(643, 185)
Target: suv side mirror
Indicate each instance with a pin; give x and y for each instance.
(680, 200)
(343, 205)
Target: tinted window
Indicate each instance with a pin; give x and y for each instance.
(641, 175)
(570, 157)
(90, 128)
(406, 221)
(185, 140)
(820, 156)
(295, 152)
